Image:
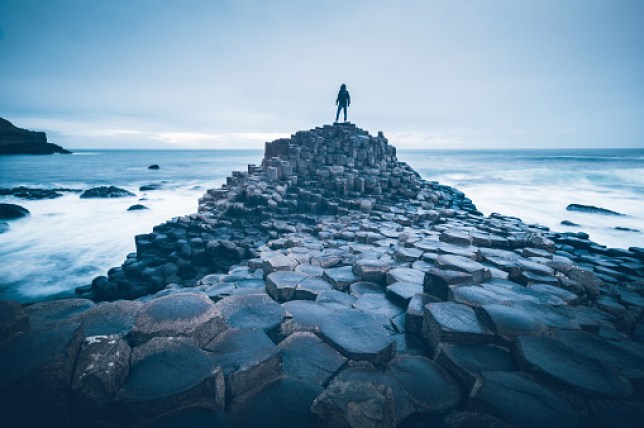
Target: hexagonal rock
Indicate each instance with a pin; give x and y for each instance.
(284, 402)
(168, 374)
(555, 317)
(371, 269)
(429, 387)
(110, 318)
(454, 323)
(279, 262)
(252, 311)
(248, 359)
(405, 254)
(565, 295)
(13, 319)
(335, 299)
(35, 372)
(360, 288)
(183, 314)
(576, 370)
(468, 251)
(405, 275)
(305, 356)
(520, 401)
(355, 405)
(102, 366)
(616, 413)
(474, 295)
(54, 311)
(311, 287)
(378, 305)
(508, 323)
(437, 281)
(303, 315)
(358, 336)
(455, 236)
(466, 362)
(281, 285)
(449, 262)
(340, 277)
(414, 314)
(309, 270)
(402, 292)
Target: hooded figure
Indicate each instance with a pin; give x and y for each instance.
(343, 101)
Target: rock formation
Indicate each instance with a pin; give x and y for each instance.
(18, 141)
(332, 286)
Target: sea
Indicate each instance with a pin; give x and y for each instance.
(67, 241)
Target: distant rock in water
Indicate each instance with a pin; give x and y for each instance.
(106, 192)
(137, 207)
(148, 187)
(12, 211)
(569, 223)
(34, 193)
(626, 229)
(155, 166)
(591, 209)
(4, 227)
(18, 141)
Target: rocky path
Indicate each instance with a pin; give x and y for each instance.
(331, 286)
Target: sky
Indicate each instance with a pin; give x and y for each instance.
(461, 74)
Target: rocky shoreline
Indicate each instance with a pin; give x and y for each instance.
(18, 141)
(332, 286)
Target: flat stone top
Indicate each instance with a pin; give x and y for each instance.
(251, 311)
(477, 358)
(576, 370)
(184, 308)
(455, 317)
(165, 366)
(239, 349)
(355, 333)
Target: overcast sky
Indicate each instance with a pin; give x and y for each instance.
(222, 74)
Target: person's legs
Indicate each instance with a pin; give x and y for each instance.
(337, 114)
(345, 113)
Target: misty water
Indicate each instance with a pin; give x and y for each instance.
(67, 241)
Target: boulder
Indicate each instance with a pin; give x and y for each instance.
(154, 166)
(106, 192)
(178, 315)
(372, 269)
(281, 285)
(12, 211)
(137, 207)
(437, 281)
(592, 209)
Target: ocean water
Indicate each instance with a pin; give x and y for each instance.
(66, 242)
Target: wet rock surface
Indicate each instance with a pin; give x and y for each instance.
(106, 192)
(12, 211)
(332, 286)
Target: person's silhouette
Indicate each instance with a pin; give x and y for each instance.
(343, 101)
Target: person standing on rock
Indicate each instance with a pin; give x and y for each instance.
(343, 101)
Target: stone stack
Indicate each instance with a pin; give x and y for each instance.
(296, 297)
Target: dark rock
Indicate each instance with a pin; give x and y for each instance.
(578, 371)
(358, 336)
(340, 277)
(169, 374)
(403, 292)
(252, 311)
(591, 209)
(569, 223)
(43, 314)
(4, 227)
(437, 281)
(335, 299)
(466, 362)
(113, 318)
(281, 403)
(617, 413)
(405, 275)
(183, 314)
(154, 166)
(12, 211)
(18, 141)
(355, 404)
(149, 187)
(13, 319)
(35, 374)
(452, 322)
(303, 316)
(106, 192)
(35, 193)
(508, 323)
(137, 207)
(378, 305)
(478, 271)
(372, 270)
(626, 229)
(102, 366)
(248, 359)
(305, 356)
(520, 401)
(281, 285)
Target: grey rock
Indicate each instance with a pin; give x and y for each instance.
(106, 192)
(453, 323)
(110, 318)
(252, 311)
(281, 285)
(405, 275)
(248, 359)
(466, 362)
(43, 314)
(508, 323)
(13, 319)
(403, 292)
(437, 282)
(12, 211)
(340, 277)
(183, 314)
(305, 356)
(449, 262)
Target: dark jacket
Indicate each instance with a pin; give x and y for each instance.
(344, 99)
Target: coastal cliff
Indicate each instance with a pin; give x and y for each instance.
(332, 286)
(18, 141)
